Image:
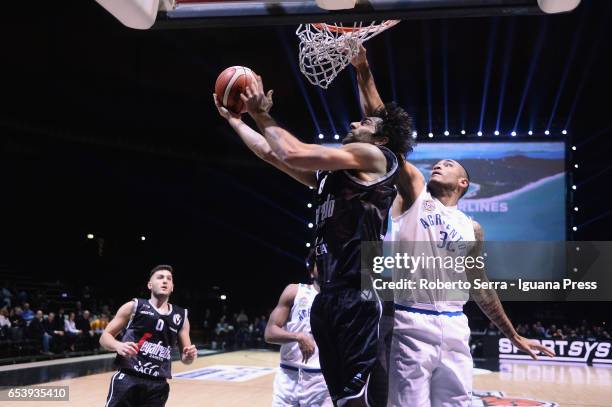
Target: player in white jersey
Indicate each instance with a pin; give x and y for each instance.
(299, 381)
(430, 360)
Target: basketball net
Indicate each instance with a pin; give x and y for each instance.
(326, 49)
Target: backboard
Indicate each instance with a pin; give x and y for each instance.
(144, 14)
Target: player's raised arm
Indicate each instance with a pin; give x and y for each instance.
(368, 93)
(290, 150)
(491, 306)
(275, 332)
(411, 181)
(260, 147)
(118, 324)
(410, 184)
(189, 353)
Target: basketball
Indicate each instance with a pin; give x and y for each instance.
(230, 84)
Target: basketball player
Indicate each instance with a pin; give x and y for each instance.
(299, 382)
(151, 327)
(354, 191)
(430, 360)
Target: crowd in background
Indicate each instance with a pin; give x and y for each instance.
(30, 325)
(583, 331)
(235, 332)
(45, 328)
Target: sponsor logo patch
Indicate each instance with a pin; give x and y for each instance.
(147, 368)
(156, 350)
(429, 205)
(497, 398)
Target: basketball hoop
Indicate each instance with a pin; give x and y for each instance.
(326, 49)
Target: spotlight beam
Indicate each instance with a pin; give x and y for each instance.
(298, 77)
(592, 177)
(506, 69)
(594, 136)
(255, 194)
(445, 70)
(256, 239)
(593, 54)
(537, 49)
(485, 88)
(391, 65)
(566, 69)
(427, 49)
(326, 109)
(596, 218)
(356, 88)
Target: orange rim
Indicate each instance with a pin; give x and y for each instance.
(338, 29)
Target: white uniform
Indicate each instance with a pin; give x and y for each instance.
(296, 383)
(430, 360)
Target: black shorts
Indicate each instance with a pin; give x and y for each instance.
(345, 327)
(127, 390)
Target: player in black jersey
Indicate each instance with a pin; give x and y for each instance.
(151, 327)
(354, 191)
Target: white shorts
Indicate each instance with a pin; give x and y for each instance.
(430, 360)
(300, 389)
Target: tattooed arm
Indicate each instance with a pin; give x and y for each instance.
(365, 158)
(491, 306)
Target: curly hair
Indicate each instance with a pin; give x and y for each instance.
(397, 127)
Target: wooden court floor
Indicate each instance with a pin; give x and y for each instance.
(574, 385)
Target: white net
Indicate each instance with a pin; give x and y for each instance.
(326, 49)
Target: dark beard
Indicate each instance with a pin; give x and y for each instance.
(435, 189)
(349, 138)
(438, 190)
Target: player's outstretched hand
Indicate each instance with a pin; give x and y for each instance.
(307, 346)
(360, 58)
(224, 112)
(127, 349)
(190, 353)
(530, 346)
(254, 98)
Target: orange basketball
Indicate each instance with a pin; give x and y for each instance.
(230, 84)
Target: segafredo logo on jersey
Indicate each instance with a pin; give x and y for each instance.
(322, 184)
(326, 209)
(147, 368)
(569, 351)
(176, 319)
(155, 350)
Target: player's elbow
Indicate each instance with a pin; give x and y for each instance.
(305, 159)
(268, 156)
(293, 161)
(290, 156)
(103, 342)
(268, 335)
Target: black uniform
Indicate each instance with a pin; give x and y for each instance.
(141, 379)
(344, 319)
